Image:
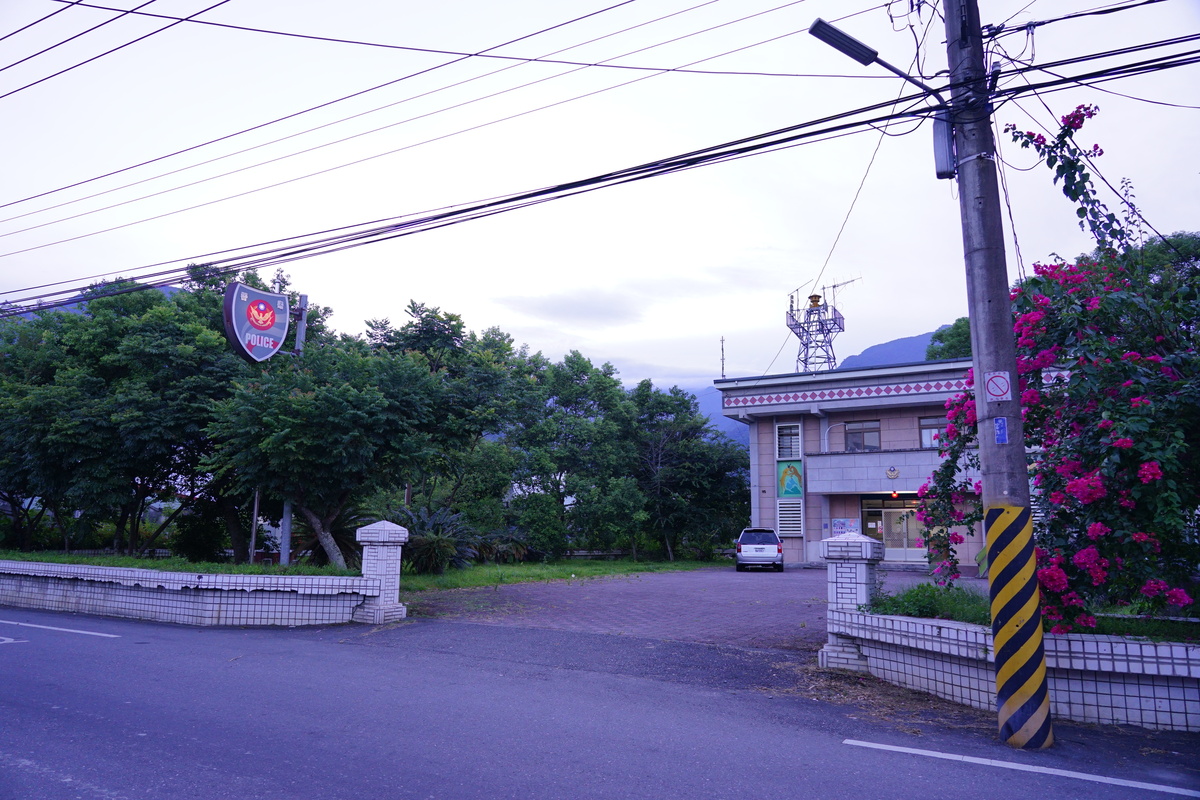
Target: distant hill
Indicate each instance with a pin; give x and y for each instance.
(710, 405)
(898, 351)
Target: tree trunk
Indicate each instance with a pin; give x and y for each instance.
(332, 551)
(146, 545)
(237, 535)
(119, 533)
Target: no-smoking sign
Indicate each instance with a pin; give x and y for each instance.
(998, 386)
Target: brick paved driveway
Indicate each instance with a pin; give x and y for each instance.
(716, 606)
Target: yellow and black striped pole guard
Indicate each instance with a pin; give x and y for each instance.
(1022, 695)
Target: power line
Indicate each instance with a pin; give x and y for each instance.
(307, 110)
(106, 52)
(354, 238)
(40, 20)
(995, 31)
(372, 131)
(361, 160)
(439, 51)
(121, 13)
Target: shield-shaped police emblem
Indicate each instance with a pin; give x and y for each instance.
(256, 322)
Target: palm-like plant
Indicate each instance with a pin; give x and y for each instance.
(437, 539)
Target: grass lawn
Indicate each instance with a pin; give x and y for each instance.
(474, 576)
(481, 575)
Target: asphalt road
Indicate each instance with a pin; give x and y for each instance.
(500, 707)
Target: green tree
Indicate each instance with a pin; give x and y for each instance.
(104, 410)
(568, 453)
(953, 341)
(693, 478)
(325, 429)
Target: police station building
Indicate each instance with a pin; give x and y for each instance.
(846, 450)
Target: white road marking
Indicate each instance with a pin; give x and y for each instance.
(6, 640)
(989, 762)
(64, 630)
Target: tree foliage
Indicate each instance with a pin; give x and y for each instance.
(953, 341)
(139, 400)
(1110, 389)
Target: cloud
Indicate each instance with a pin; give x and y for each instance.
(582, 307)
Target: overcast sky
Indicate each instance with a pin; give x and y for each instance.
(649, 276)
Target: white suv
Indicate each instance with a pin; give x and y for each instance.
(759, 547)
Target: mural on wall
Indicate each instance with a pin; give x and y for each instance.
(791, 479)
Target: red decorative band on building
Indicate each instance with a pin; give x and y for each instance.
(842, 394)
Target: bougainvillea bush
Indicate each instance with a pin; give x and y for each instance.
(1110, 391)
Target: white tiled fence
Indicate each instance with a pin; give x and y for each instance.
(206, 599)
(1097, 679)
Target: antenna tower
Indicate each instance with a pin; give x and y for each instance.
(815, 320)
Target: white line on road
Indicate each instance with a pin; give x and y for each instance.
(989, 762)
(64, 630)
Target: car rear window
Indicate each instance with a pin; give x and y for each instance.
(759, 537)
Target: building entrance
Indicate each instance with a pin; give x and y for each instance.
(892, 522)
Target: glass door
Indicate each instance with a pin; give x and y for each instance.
(900, 533)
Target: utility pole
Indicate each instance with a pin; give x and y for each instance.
(1022, 696)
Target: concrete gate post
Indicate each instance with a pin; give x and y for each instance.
(852, 561)
(382, 544)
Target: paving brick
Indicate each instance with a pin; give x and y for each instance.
(717, 606)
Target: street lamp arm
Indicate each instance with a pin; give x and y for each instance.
(941, 100)
(847, 45)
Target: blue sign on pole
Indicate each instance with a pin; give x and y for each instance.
(1001, 425)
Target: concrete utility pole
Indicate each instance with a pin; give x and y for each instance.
(1022, 697)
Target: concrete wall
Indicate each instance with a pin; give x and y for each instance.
(183, 598)
(202, 599)
(1108, 680)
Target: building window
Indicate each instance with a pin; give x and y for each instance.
(788, 437)
(931, 431)
(862, 436)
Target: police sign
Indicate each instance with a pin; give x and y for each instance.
(256, 322)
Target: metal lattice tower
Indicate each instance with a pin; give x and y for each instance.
(815, 325)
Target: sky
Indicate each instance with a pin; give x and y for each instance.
(655, 276)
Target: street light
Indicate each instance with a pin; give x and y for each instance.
(943, 131)
(846, 44)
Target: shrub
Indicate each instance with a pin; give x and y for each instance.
(934, 602)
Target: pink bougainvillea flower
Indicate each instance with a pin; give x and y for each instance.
(1062, 627)
(1150, 471)
(1096, 530)
(1124, 444)
(1139, 401)
(1178, 597)
(1104, 424)
(1087, 489)
(1085, 621)
(1153, 588)
(1053, 578)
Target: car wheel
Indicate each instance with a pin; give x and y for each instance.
(779, 567)
(739, 567)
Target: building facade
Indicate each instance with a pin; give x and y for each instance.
(846, 450)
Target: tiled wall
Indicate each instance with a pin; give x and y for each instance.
(184, 598)
(1097, 679)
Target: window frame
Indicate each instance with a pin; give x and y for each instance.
(861, 435)
(796, 445)
(937, 425)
